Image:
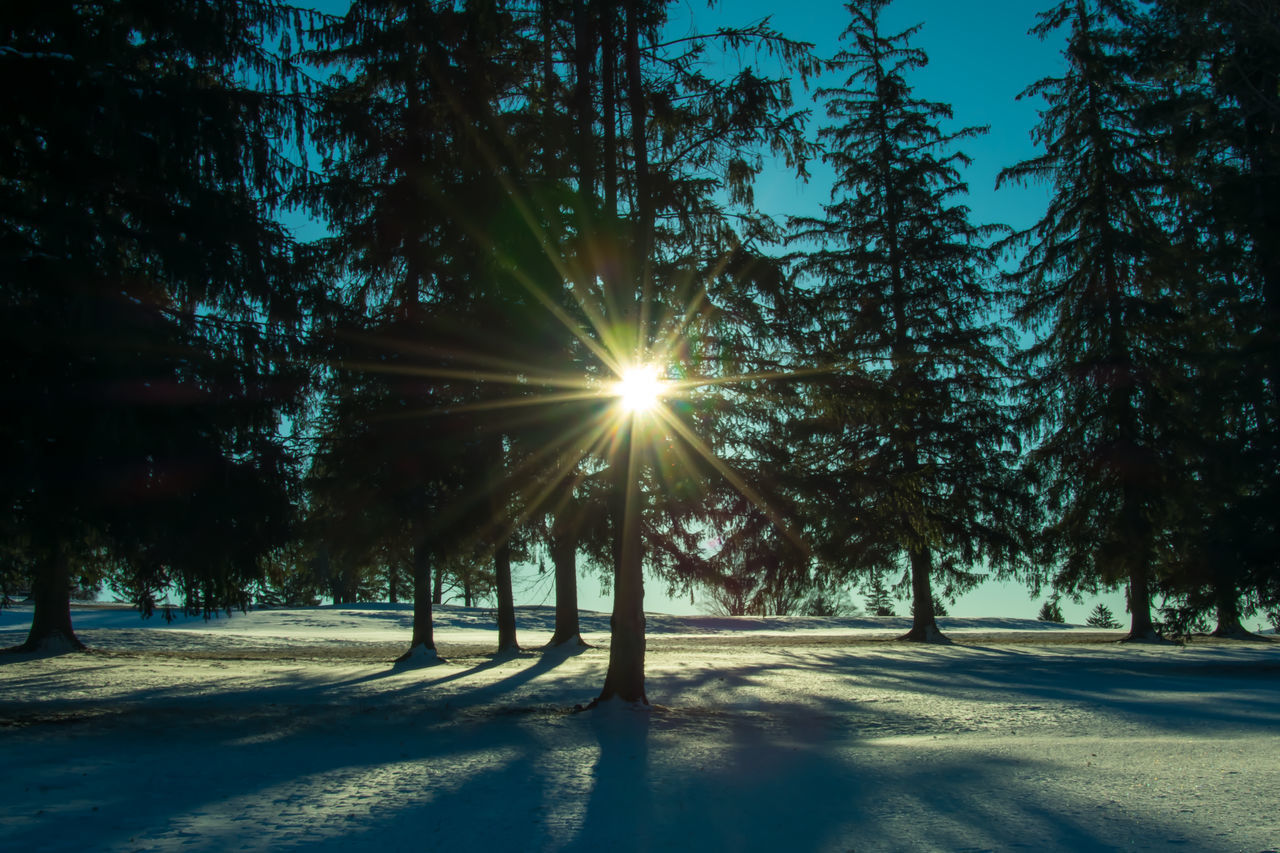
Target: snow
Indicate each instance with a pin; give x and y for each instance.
(7, 51)
(293, 729)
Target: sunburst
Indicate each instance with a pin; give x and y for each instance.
(640, 388)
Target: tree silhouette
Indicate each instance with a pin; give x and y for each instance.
(1101, 617)
(1103, 371)
(1205, 66)
(907, 428)
(1051, 610)
(150, 300)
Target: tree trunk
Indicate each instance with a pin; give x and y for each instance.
(584, 50)
(1228, 607)
(423, 642)
(924, 626)
(437, 592)
(502, 554)
(1140, 625)
(625, 678)
(564, 555)
(608, 97)
(506, 600)
(393, 583)
(51, 629)
(644, 210)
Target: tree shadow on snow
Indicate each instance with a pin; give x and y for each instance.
(733, 764)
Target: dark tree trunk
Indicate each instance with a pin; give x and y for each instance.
(1140, 625)
(51, 629)
(437, 592)
(1228, 607)
(506, 600)
(467, 599)
(924, 626)
(625, 678)
(502, 553)
(393, 583)
(584, 50)
(644, 211)
(608, 96)
(564, 549)
(423, 642)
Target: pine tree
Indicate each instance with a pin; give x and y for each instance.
(150, 302)
(1104, 370)
(909, 439)
(1210, 64)
(1051, 611)
(879, 599)
(663, 151)
(447, 264)
(1101, 617)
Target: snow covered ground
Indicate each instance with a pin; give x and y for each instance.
(290, 729)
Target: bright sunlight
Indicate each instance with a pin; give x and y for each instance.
(639, 389)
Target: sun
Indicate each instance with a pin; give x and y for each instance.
(639, 389)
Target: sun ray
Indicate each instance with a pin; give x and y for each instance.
(476, 376)
(729, 474)
(531, 506)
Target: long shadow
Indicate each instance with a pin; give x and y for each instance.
(764, 774)
(743, 782)
(620, 811)
(1242, 693)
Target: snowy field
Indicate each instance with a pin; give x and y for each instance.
(291, 730)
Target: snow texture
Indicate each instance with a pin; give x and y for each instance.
(293, 729)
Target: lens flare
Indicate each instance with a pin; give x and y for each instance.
(639, 389)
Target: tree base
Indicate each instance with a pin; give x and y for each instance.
(509, 649)
(49, 646)
(571, 645)
(616, 705)
(925, 634)
(1148, 636)
(1239, 633)
(420, 655)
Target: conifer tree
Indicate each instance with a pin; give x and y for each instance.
(1101, 617)
(149, 299)
(909, 440)
(1103, 372)
(1051, 610)
(667, 150)
(443, 271)
(1210, 64)
(879, 598)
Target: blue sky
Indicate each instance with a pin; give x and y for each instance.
(980, 59)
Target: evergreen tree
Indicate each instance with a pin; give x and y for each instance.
(1051, 610)
(1210, 64)
(826, 601)
(1104, 370)
(909, 440)
(446, 265)
(662, 152)
(150, 300)
(1101, 617)
(879, 598)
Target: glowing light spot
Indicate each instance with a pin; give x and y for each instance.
(639, 389)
